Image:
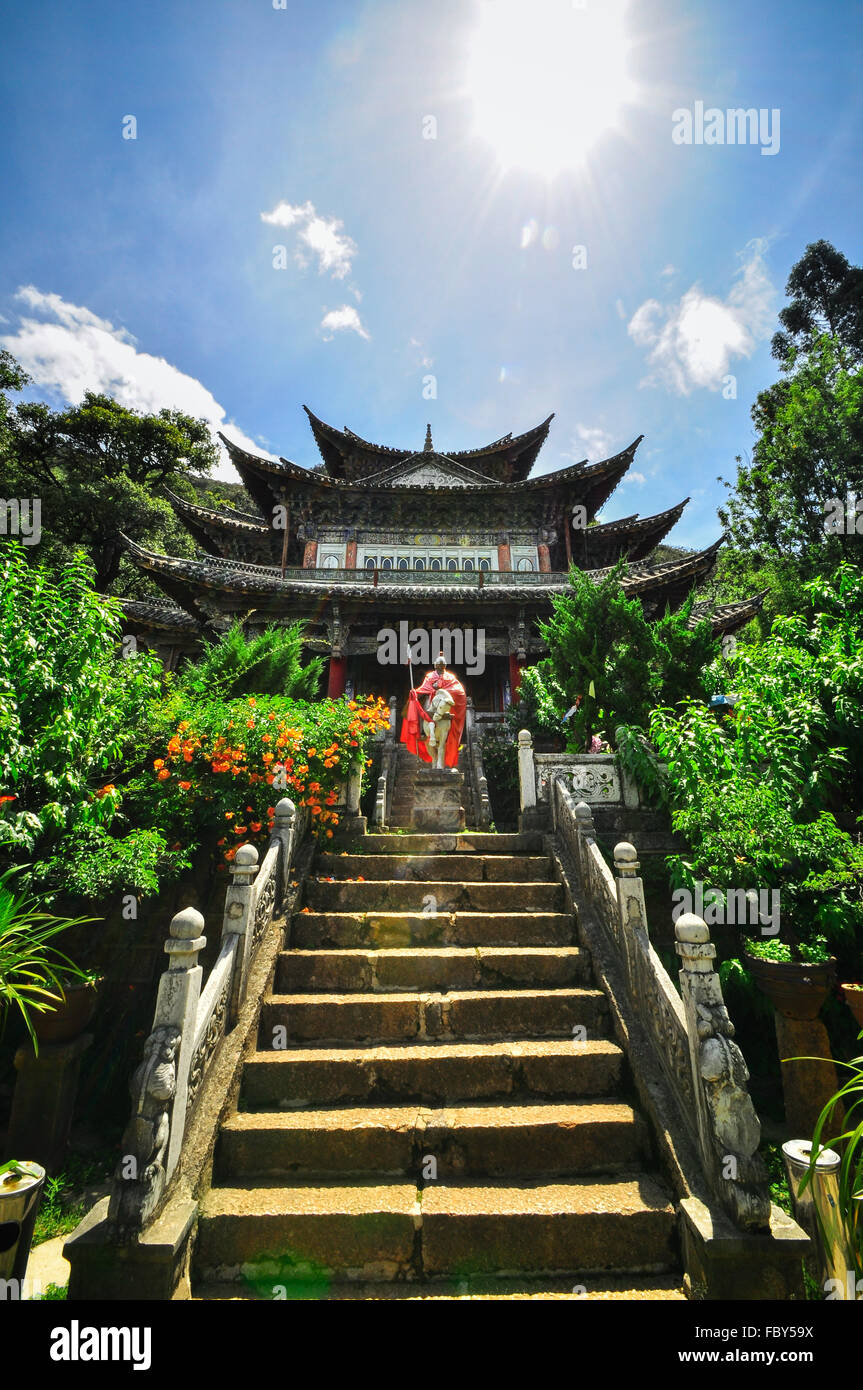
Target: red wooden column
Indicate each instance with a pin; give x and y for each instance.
(504, 558)
(337, 677)
(310, 555)
(544, 558)
(351, 555)
(514, 675)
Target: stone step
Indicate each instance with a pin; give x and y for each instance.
(434, 868)
(430, 1072)
(526, 1013)
(382, 1231)
(366, 1230)
(585, 1225)
(384, 930)
(401, 896)
(468, 842)
(427, 968)
(490, 1140)
(626, 1288)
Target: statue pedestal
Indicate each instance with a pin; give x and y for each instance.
(807, 1084)
(44, 1101)
(437, 800)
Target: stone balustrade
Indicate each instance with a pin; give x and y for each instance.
(690, 1032)
(192, 1019)
(599, 779)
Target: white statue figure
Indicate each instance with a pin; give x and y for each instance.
(440, 711)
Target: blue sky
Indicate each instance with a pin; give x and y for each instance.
(147, 267)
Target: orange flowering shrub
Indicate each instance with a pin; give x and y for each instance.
(222, 767)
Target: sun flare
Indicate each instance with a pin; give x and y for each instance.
(547, 78)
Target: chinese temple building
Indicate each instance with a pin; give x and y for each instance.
(374, 538)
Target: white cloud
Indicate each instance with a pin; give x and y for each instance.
(692, 342)
(70, 350)
(424, 357)
(633, 476)
(667, 272)
(344, 319)
(591, 441)
(321, 237)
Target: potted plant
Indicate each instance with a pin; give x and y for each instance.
(67, 1019)
(852, 993)
(795, 975)
(32, 970)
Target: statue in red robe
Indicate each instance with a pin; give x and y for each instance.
(415, 725)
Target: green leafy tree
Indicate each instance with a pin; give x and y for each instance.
(757, 795)
(97, 469)
(269, 662)
(604, 654)
(788, 507)
(826, 296)
(70, 706)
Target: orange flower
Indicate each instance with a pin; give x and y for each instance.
(104, 791)
(250, 724)
(159, 762)
(229, 815)
(163, 774)
(185, 786)
(329, 834)
(255, 826)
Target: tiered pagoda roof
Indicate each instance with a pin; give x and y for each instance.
(363, 487)
(348, 456)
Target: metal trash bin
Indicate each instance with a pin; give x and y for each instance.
(20, 1193)
(821, 1199)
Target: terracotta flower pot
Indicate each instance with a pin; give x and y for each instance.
(68, 1019)
(797, 989)
(853, 996)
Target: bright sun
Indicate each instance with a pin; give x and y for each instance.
(547, 77)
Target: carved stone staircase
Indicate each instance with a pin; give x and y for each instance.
(435, 1108)
(404, 785)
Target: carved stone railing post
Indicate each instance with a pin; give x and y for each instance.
(177, 1007)
(153, 1137)
(729, 1131)
(526, 773)
(380, 816)
(284, 829)
(632, 909)
(237, 920)
(586, 831)
(469, 719)
(484, 803)
(355, 778)
(394, 705)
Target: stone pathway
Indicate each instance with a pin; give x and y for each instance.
(435, 1108)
